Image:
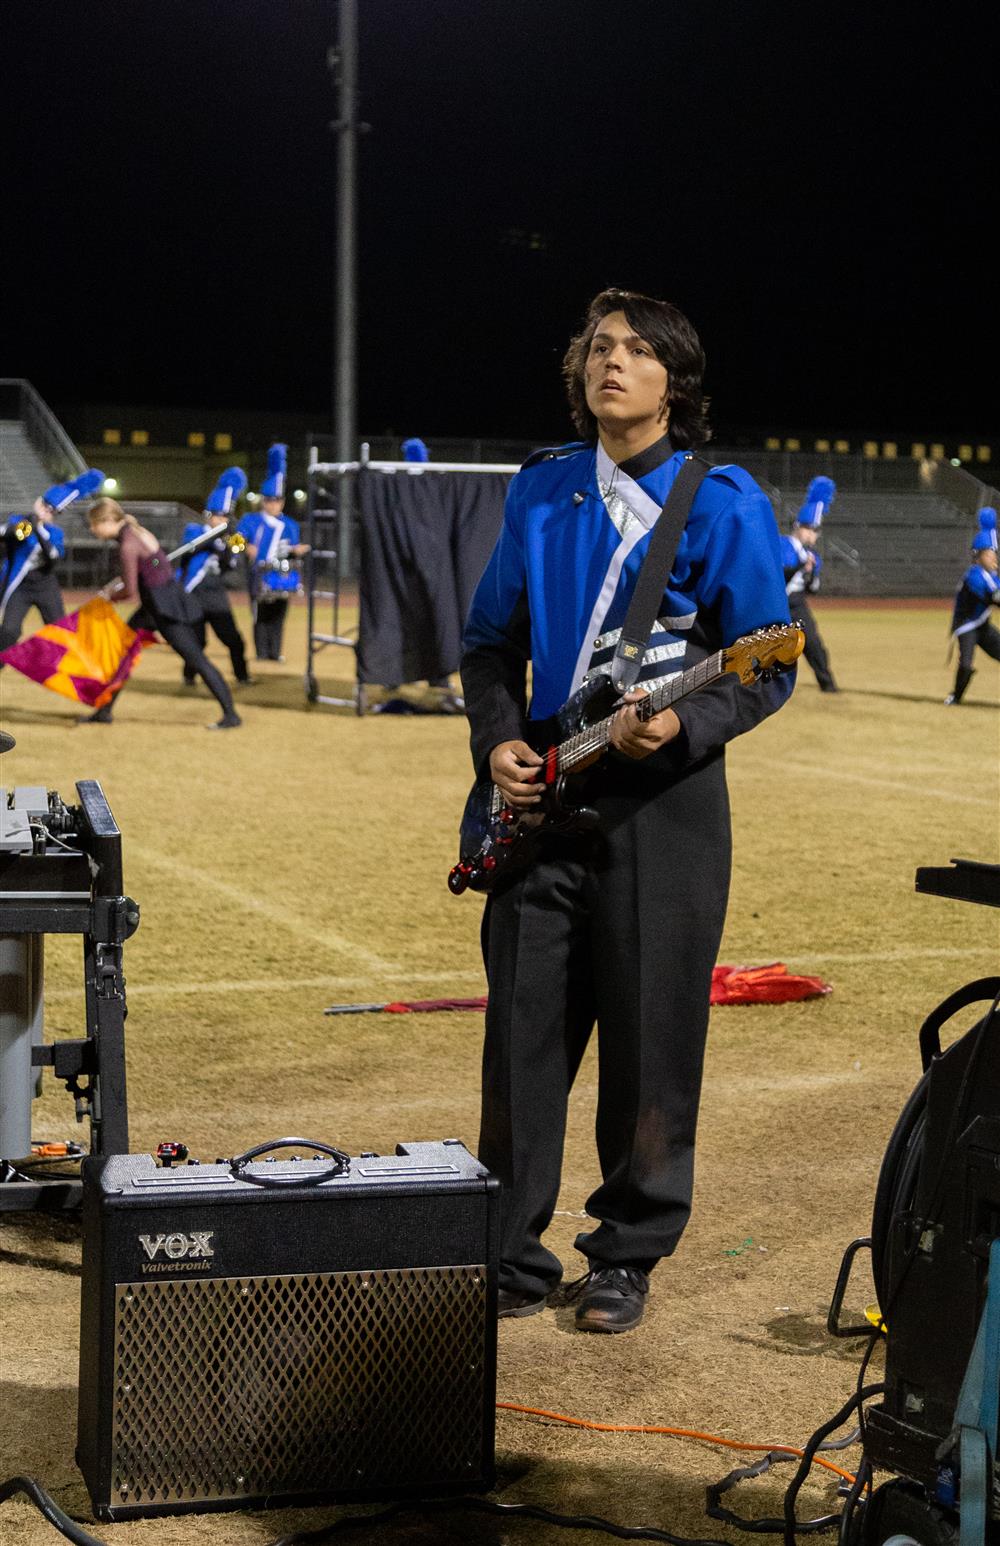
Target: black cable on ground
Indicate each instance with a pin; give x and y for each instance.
(856, 1402)
(861, 1481)
(715, 1510)
(505, 1510)
(50, 1508)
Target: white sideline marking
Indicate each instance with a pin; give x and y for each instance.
(329, 939)
(905, 953)
(474, 987)
(822, 769)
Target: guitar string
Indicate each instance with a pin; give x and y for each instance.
(595, 737)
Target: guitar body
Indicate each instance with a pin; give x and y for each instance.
(497, 840)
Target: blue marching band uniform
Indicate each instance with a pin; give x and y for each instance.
(202, 571)
(620, 925)
(32, 546)
(802, 565)
(977, 594)
(273, 568)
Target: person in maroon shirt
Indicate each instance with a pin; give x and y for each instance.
(147, 575)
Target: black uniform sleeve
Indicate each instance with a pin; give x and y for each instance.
(494, 684)
(721, 712)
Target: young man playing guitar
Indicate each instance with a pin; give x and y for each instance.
(619, 924)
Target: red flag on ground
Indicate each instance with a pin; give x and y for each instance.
(772, 984)
(86, 655)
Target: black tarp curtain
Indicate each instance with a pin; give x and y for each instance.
(425, 541)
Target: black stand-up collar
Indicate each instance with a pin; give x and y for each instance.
(645, 461)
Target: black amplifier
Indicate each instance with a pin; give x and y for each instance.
(268, 1332)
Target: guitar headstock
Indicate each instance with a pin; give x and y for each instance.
(765, 652)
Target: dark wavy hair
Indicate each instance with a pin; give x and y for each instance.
(675, 344)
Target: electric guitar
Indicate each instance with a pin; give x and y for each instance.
(497, 840)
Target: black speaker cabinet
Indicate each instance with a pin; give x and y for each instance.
(286, 1331)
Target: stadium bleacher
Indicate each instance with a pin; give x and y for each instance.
(898, 527)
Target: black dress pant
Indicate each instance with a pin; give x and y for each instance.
(985, 636)
(210, 607)
(35, 590)
(815, 650)
(268, 625)
(620, 926)
(166, 609)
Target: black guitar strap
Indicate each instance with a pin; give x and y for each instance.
(655, 573)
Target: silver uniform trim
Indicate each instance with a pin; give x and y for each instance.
(645, 510)
(667, 624)
(661, 652)
(648, 684)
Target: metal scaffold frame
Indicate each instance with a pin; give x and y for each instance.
(329, 541)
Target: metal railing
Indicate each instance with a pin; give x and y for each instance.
(55, 450)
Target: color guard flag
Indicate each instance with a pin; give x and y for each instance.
(86, 656)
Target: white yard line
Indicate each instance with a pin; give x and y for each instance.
(467, 987)
(905, 953)
(823, 770)
(329, 939)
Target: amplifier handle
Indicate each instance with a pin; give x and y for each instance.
(341, 1162)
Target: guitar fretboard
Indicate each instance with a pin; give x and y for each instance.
(595, 739)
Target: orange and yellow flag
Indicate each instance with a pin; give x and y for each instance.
(86, 655)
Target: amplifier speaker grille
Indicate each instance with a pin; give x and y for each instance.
(230, 1388)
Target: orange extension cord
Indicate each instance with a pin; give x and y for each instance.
(677, 1433)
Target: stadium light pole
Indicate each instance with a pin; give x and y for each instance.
(343, 62)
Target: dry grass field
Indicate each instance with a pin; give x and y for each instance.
(301, 861)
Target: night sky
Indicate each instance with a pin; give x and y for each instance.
(811, 184)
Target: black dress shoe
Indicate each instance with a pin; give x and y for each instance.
(511, 1303)
(609, 1298)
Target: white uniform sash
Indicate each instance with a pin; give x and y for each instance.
(976, 622)
(30, 559)
(646, 512)
(277, 526)
(797, 582)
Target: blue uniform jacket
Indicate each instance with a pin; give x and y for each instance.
(20, 558)
(273, 571)
(793, 559)
(205, 561)
(549, 569)
(974, 598)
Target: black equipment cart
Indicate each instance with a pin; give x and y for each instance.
(935, 1247)
(60, 873)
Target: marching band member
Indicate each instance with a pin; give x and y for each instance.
(148, 576)
(619, 925)
(977, 593)
(32, 546)
(202, 571)
(273, 545)
(802, 565)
